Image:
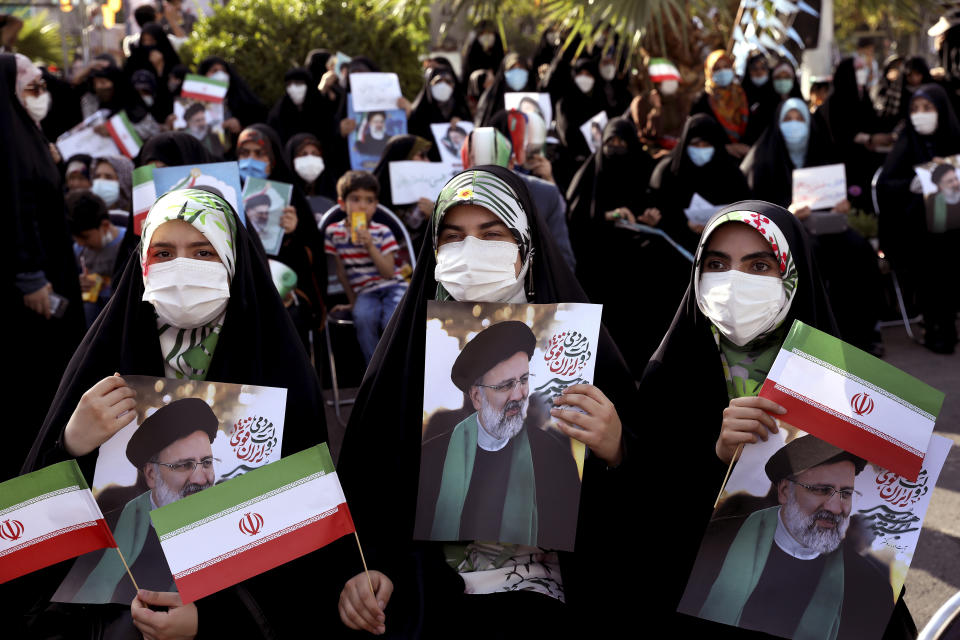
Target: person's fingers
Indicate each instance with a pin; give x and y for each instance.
(586, 437)
(384, 589)
(107, 385)
(160, 598)
(760, 403)
(369, 601)
(576, 419)
(364, 605)
(746, 425)
(584, 401)
(351, 617)
(759, 415)
(588, 390)
(118, 394)
(123, 409)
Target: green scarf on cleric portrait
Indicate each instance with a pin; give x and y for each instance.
(743, 567)
(518, 522)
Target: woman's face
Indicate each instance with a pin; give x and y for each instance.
(105, 171)
(722, 63)
(253, 149)
(783, 74)
(914, 78)
(216, 67)
(739, 246)
(77, 180)
(179, 239)
(922, 105)
(147, 40)
(793, 116)
(309, 150)
(699, 142)
(473, 220)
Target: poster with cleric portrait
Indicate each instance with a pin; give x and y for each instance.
(940, 183)
(810, 541)
(494, 464)
(183, 437)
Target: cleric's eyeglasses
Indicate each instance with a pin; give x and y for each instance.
(509, 385)
(826, 491)
(189, 466)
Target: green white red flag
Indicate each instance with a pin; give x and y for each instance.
(661, 69)
(124, 135)
(144, 195)
(48, 516)
(269, 516)
(853, 400)
(203, 88)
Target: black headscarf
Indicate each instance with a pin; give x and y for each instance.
(140, 54)
(762, 101)
(474, 55)
(677, 178)
(65, 109)
(683, 389)
(313, 116)
(326, 184)
(379, 462)
(768, 167)
(174, 149)
(576, 107)
(243, 103)
(902, 218)
(492, 99)
(316, 63)
(125, 97)
(847, 109)
(426, 110)
(398, 148)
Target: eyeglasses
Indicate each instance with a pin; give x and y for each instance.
(826, 491)
(189, 466)
(508, 385)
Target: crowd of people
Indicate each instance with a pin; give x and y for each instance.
(687, 305)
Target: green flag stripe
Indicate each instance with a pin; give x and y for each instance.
(861, 364)
(242, 488)
(142, 175)
(30, 485)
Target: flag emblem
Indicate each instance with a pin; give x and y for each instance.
(251, 523)
(11, 529)
(862, 404)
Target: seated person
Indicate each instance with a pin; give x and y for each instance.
(365, 266)
(96, 244)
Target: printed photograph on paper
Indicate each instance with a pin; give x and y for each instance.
(264, 201)
(940, 182)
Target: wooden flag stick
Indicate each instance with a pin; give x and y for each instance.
(364, 561)
(125, 566)
(733, 461)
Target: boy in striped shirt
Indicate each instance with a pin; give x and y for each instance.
(366, 269)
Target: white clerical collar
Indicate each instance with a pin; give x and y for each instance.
(153, 505)
(487, 442)
(788, 544)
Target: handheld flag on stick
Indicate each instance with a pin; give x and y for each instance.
(252, 523)
(48, 516)
(853, 400)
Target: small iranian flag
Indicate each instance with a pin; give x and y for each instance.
(853, 400)
(123, 133)
(252, 523)
(144, 195)
(203, 88)
(661, 69)
(48, 516)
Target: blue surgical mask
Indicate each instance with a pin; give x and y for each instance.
(783, 86)
(794, 132)
(700, 155)
(252, 168)
(517, 78)
(723, 77)
(108, 190)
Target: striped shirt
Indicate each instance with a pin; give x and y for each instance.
(362, 273)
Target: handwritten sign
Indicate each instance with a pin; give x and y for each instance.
(411, 180)
(375, 91)
(820, 187)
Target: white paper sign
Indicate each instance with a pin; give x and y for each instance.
(529, 101)
(592, 130)
(374, 91)
(411, 180)
(83, 139)
(820, 187)
(700, 210)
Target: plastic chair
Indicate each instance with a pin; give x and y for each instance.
(904, 318)
(945, 623)
(335, 214)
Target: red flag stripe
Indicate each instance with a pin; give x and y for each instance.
(878, 447)
(200, 96)
(55, 547)
(263, 557)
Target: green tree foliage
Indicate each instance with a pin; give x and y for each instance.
(39, 39)
(265, 38)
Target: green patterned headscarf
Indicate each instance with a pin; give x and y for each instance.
(486, 190)
(187, 352)
(745, 368)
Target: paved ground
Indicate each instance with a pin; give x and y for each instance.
(935, 573)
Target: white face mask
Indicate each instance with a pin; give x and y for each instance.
(863, 74)
(38, 106)
(187, 293)
(925, 122)
(481, 271)
(740, 305)
(608, 71)
(308, 167)
(487, 40)
(441, 91)
(220, 75)
(584, 82)
(669, 87)
(297, 93)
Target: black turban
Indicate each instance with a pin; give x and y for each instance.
(176, 420)
(804, 453)
(489, 348)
